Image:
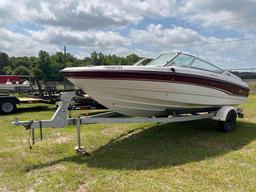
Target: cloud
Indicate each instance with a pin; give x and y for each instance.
(6, 13)
(123, 27)
(85, 14)
(53, 39)
(150, 42)
(160, 38)
(229, 14)
(156, 39)
(91, 39)
(16, 44)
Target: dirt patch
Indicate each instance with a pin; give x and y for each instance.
(117, 129)
(63, 139)
(249, 149)
(18, 141)
(10, 149)
(4, 189)
(113, 130)
(56, 167)
(59, 138)
(40, 180)
(83, 188)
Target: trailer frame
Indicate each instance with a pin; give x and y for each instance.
(60, 119)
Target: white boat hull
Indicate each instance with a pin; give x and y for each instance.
(153, 98)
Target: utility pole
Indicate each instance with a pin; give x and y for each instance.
(65, 53)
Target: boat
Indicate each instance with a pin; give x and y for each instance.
(170, 84)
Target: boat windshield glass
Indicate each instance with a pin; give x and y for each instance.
(162, 60)
(203, 65)
(183, 60)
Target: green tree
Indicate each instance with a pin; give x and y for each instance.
(132, 58)
(87, 61)
(36, 72)
(55, 72)
(46, 67)
(44, 64)
(94, 58)
(21, 70)
(8, 70)
(101, 59)
(4, 61)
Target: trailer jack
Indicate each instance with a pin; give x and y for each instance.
(31, 136)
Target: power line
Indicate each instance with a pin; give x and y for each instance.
(215, 43)
(230, 41)
(241, 21)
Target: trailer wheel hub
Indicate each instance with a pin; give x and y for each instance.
(7, 107)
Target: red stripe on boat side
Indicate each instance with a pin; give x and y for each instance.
(162, 76)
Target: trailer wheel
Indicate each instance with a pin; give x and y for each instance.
(230, 123)
(7, 107)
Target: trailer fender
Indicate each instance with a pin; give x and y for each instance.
(222, 113)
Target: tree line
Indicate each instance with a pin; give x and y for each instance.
(46, 67)
(245, 75)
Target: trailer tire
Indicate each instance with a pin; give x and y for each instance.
(7, 107)
(229, 124)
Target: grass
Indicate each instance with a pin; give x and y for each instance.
(190, 156)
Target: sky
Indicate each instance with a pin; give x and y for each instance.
(221, 32)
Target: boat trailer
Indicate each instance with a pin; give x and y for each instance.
(225, 115)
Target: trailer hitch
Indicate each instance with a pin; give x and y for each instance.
(28, 126)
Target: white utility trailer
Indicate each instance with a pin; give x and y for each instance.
(226, 116)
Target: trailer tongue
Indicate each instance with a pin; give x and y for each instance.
(226, 116)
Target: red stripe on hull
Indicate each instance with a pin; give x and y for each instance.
(163, 76)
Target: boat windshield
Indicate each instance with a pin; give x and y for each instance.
(184, 60)
(162, 60)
